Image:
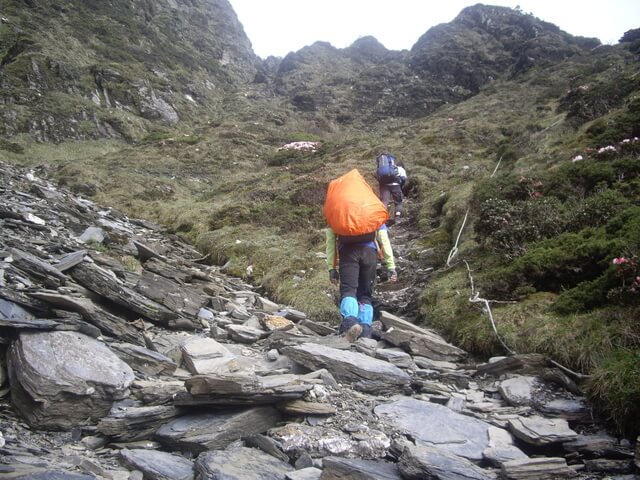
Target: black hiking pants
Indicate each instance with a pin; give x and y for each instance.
(387, 192)
(357, 272)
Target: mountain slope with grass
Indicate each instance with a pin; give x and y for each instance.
(500, 118)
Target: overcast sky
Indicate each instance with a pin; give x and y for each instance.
(277, 27)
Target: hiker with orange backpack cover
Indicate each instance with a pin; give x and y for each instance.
(354, 210)
(356, 275)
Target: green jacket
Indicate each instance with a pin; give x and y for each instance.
(382, 241)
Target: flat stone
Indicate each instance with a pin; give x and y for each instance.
(361, 371)
(519, 390)
(537, 469)
(436, 425)
(427, 344)
(211, 431)
(240, 463)
(309, 473)
(337, 468)
(536, 430)
(204, 355)
(501, 447)
(423, 461)
(156, 465)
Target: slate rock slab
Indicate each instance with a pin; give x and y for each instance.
(132, 423)
(64, 379)
(437, 425)
(538, 431)
(537, 469)
(144, 360)
(337, 468)
(240, 463)
(104, 283)
(180, 299)
(421, 461)
(427, 344)
(198, 432)
(156, 465)
(361, 371)
(519, 391)
(244, 389)
(309, 473)
(206, 355)
(501, 447)
(108, 323)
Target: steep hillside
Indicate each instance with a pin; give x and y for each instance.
(89, 69)
(489, 113)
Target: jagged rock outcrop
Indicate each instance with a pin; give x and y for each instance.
(116, 68)
(63, 379)
(180, 61)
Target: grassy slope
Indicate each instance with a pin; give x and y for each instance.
(225, 186)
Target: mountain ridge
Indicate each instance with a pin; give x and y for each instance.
(171, 61)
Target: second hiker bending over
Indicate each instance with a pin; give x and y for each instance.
(356, 274)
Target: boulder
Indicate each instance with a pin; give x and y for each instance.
(64, 379)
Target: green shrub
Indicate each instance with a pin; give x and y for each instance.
(598, 209)
(508, 226)
(505, 187)
(625, 124)
(577, 265)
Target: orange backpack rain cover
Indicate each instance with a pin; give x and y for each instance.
(352, 207)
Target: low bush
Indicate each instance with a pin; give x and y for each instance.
(509, 227)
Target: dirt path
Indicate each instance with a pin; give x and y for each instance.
(402, 298)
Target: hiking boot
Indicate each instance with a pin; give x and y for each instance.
(353, 333)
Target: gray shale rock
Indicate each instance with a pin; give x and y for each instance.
(157, 465)
(538, 431)
(63, 379)
(240, 463)
(436, 425)
(420, 462)
(210, 431)
(336, 468)
(361, 371)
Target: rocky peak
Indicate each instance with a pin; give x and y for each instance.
(484, 42)
(367, 49)
(157, 61)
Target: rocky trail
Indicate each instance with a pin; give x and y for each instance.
(125, 356)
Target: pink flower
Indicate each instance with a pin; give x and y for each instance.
(620, 261)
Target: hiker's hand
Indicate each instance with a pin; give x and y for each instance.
(334, 276)
(393, 276)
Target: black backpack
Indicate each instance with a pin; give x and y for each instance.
(386, 171)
